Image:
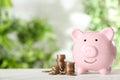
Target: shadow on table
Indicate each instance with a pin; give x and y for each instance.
(114, 75)
(113, 72)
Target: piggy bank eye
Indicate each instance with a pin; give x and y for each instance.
(96, 40)
(85, 40)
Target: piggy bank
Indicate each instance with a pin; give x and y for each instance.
(94, 50)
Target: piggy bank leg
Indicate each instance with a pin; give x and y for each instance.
(105, 70)
(81, 71)
(109, 69)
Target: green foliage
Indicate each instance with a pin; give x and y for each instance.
(32, 43)
(105, 13)
(22, 51)
(5, 3)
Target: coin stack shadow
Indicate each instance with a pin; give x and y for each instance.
(62, 67)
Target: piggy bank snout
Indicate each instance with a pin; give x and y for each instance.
(89, 51)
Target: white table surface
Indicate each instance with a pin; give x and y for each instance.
(37, 74)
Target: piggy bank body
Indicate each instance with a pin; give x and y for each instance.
(94, 50)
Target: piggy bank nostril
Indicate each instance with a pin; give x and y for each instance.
(89, 51)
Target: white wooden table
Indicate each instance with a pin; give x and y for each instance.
(37, 74)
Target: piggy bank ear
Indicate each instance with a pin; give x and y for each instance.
(76, 33)
(108, 32)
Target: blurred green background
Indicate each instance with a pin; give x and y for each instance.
(21, 52)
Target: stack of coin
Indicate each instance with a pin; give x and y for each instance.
(69, 68)
(60, 62)
(62, 66)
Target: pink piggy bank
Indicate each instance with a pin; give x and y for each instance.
(94, 50)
